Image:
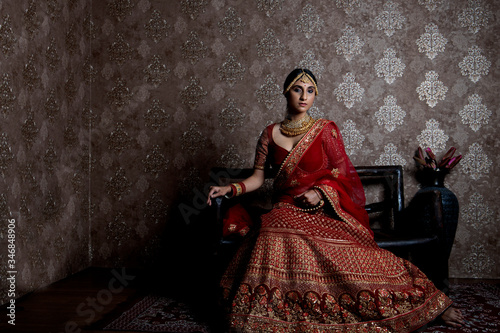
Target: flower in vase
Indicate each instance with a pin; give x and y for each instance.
(429, 162)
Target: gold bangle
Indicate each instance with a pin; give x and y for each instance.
(238, 189)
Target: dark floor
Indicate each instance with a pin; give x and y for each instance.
(76, 303)
(71, 303)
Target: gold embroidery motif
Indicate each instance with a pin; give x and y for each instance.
(335, 172)
(332, 197)
(260, 309)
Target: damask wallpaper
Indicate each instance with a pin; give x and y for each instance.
(44, 140)
(114, 112)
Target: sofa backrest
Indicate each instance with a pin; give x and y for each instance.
(383, 186)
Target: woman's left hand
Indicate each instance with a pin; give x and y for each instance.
(309, 198)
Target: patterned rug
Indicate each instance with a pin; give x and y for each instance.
(158, 314)
(480, 305)
(479, 302)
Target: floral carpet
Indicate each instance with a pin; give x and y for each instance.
(479, 302)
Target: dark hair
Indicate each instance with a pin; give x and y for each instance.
(296, 72)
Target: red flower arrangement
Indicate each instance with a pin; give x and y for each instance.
(429, 162)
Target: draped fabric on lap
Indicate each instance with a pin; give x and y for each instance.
(320, 270)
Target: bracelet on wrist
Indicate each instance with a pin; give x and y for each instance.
(237, 189)
(318, 193)
(230, 194)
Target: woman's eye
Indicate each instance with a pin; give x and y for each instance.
(297, 90)
(310, 91)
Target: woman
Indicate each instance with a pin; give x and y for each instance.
(314, 266)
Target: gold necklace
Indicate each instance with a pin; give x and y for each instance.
(291, 127)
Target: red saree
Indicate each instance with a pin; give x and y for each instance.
(320, 270)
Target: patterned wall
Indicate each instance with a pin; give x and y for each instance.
(186, 85)
(44, 139)
(181, 86)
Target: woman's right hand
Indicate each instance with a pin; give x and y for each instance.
(309, 198)
(217, 191)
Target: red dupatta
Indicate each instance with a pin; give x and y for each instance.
(340, 185)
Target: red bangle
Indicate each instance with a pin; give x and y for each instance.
(233, 191)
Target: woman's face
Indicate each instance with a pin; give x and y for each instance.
(300, 97)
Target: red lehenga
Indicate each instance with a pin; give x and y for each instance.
(320, 270)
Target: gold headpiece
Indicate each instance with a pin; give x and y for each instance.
(304, 77)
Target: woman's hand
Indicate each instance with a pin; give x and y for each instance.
(309, 198)
(217, 191)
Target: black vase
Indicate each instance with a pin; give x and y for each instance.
(439, 217)
(433, 180)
